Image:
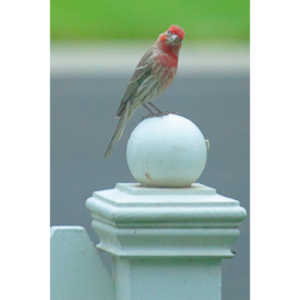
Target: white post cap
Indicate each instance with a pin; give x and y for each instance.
(166, 151)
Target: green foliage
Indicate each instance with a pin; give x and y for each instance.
(136, 19)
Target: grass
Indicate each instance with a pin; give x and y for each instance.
(96, 20)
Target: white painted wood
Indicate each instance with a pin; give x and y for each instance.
(77, 272)
(167, 243)
(166, 151)
(168, 278)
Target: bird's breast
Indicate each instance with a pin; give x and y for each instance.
(164, 75)
(167, 60)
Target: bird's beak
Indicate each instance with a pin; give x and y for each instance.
(175, 39)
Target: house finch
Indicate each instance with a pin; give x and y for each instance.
(154, 73)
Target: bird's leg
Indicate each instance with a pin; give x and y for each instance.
(148, 108)
(159, 112)
(155, 107)
(151, 113)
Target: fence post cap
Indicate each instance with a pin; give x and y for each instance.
(166, 151)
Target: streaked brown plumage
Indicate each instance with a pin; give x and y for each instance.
(154, 73)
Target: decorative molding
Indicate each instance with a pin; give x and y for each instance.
(136, 221)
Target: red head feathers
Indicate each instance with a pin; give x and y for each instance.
(170, 40)
(177, 30)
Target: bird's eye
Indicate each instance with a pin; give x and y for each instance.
(169, 32)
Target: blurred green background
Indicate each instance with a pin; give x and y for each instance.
(96, 20)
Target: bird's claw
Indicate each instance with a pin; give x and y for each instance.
(163, 113)
(157, 114)
(148, 116)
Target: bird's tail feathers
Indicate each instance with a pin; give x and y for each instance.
(118, 132)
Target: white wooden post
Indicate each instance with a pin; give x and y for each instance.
(167, 243)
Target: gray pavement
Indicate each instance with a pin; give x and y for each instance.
(121, 58)
(82, 110)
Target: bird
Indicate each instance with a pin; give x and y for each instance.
(153, 75)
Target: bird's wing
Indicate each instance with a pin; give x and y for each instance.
(142, 72)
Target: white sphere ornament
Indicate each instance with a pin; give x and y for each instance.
(166, 151)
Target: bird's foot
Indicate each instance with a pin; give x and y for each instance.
(162, 113)
(158, 114)
(148, 116)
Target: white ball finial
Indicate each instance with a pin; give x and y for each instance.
(166, 151)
